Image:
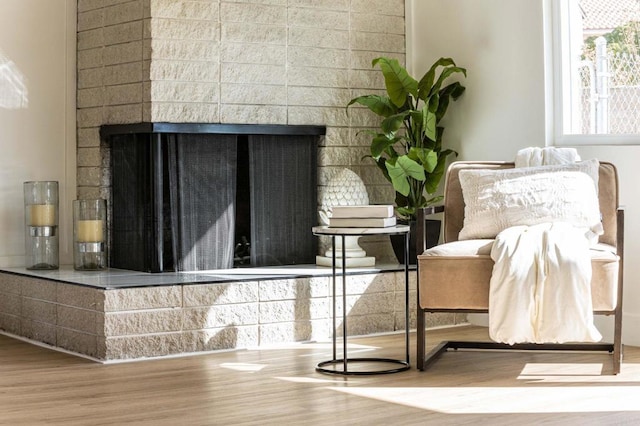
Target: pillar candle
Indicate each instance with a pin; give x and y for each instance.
(42, 215)
(89, 231)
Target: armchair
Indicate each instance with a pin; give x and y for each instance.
(455, 276)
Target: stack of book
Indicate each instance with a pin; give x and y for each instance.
(370, 216)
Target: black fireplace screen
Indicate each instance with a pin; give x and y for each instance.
(283, 199)
(202, 188)
(193, 202)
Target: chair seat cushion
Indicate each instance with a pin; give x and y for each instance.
(456, 275)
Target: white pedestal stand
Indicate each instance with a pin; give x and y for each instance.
(355, 256)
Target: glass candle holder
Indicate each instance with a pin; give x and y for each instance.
(89, 235)
(41, 224)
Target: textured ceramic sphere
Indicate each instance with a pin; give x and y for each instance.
(344, 189)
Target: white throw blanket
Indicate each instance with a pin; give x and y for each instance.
(535, 156)
(540, 289)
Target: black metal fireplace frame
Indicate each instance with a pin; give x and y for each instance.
(157, 134)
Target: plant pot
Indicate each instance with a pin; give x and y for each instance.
(397, 241)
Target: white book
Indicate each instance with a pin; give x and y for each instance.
(373, 210)
(367, 222)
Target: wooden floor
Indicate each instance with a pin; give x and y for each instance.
(279, 386)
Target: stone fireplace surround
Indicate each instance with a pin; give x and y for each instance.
(282, 62)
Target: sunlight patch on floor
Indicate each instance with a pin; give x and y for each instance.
(242, 366)
(579, 373)
(561, 369)
(507, 400)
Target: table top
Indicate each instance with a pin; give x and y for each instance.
(389, 230)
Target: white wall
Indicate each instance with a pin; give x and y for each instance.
(37, 113)
(502, 45)
(498, 41)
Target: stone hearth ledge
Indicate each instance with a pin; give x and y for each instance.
(119, 315)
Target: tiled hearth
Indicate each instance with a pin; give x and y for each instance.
(123, 315)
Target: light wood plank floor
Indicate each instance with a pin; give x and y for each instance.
(278, 386)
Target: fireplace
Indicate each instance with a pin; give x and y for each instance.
(191, 197)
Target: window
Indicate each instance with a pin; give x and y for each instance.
(597, 71)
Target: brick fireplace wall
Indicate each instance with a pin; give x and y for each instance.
(254, 61)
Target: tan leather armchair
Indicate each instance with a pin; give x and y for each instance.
(454, 276)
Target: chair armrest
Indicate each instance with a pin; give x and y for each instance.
(421, 228)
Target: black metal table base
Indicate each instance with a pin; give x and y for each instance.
(345, 360)
(403, 366)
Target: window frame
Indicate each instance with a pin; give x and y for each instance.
(561, 85)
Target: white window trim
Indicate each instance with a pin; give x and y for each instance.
(558, 91)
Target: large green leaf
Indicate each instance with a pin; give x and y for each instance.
(381, 143)
(457, 90)
(401, 200)
(437, 146)
(382, 165)
(402, 169)
(442, 107)
(452, 91)
(433, 179)
(433, 101)
(415, 128)
(380, 105)
(429, 123)
(426, 82)
(444, 75)
(427, 157)
(397, 80)
(393, 123)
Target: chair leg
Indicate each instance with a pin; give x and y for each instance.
(617, 342)
(617, 359)
(420, 334)
(617, 332)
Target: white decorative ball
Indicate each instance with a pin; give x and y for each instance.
(344, 189)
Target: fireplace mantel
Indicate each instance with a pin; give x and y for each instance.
(212, 128)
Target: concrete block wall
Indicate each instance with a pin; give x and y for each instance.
(251, 61)
(113, 55)
(170, 320)
(131, 323)
(57, 314)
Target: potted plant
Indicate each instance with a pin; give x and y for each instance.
(408, 145)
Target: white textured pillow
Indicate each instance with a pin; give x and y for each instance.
(498, 199)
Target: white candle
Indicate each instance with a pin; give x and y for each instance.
(42, 215)
(89, 231)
